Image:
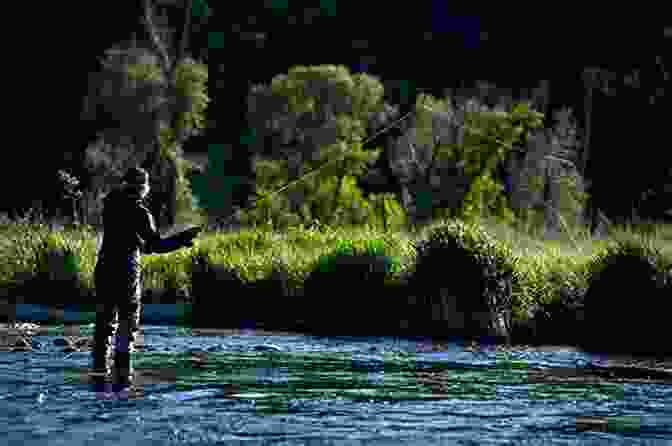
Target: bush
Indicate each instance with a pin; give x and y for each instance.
(221, 297)
(56, 278)
(359, 274)
(552, 317)
(629, 298)
(483, 267)
(275, 305)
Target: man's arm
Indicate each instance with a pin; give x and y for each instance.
(153, 243)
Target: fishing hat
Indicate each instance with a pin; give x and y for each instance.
(136, 176)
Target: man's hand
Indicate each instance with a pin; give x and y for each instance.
(186, 237)
(193, 232)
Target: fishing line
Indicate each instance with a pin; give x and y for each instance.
(302, 177)
(395, 123)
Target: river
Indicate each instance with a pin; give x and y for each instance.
(251, 387)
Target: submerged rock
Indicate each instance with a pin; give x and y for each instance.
(83, 342)
(62, 342)
(22, 344)
(267, 347)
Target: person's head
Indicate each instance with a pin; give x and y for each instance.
(136, 181)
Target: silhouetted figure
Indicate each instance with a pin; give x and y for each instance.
(129, 231)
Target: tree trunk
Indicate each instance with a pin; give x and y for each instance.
(337, 192)
(591, 209)
(167, 168)
(295, 195)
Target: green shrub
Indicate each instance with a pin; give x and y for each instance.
(552, 316)
(350, 248)
(628, 302)
(56, 276)
(386, 212)
(483, 268)
(358, 270)
(220, 295)
(276, 306)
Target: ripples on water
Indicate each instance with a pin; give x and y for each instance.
(249, 388)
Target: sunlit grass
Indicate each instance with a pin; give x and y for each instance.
(545, 266)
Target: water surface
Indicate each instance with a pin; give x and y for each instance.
(253, 388)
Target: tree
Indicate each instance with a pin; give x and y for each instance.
(611, 121)
(313, 118)
(152, 100)
(450, 157)
(184, 117)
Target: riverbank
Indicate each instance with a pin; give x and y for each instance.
(276, 280)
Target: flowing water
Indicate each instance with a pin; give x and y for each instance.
(272, 388)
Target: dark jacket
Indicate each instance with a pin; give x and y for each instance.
(129, 230)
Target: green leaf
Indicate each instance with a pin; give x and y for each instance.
(521, 108)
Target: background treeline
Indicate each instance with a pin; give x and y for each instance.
(138, 98)
(454, 155)
(606, 121)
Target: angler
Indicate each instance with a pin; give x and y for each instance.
(129, 231)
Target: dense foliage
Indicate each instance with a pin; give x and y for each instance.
(190, 101)
(486, 266)
(632, 266)
(490, 137)
(308, 127)
(313, 119)
(149, 118)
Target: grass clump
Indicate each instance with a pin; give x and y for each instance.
(376, 282)
(465, 275)
(629, 300)
(355, 273)
(218, 292)
(552, 287)
(42, 266)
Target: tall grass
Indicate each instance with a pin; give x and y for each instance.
(547, 267)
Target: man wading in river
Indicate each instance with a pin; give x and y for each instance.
(129, 231)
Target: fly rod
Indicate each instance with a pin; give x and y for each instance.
(395, 123)
(313, 171)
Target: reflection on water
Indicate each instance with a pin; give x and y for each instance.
(232, 387)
